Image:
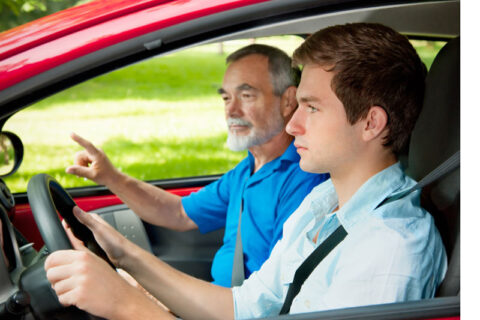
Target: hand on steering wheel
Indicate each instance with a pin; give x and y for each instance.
(46, 198)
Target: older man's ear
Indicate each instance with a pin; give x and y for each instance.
(289, 102)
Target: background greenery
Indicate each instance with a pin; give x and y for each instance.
(157, 119)
(17, 12)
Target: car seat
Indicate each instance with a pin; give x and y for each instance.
(435, 138)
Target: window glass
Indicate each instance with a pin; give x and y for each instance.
(427, 50)
(157, 119)
(160, 118)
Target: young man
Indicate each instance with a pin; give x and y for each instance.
(360, 94)
(258, 89)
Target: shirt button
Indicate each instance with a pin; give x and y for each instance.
(307, 304)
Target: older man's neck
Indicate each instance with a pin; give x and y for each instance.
(270, 150)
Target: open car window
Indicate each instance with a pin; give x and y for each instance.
(157, 119)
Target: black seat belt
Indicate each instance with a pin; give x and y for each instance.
(444, 168)
(307, 267)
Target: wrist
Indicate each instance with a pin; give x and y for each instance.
(131, 253)
(139, 306)
(115, 179)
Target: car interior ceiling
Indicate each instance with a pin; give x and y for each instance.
(435, 138)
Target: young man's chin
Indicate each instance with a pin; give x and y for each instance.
(306, 166)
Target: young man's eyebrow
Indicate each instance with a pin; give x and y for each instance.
(308, 99)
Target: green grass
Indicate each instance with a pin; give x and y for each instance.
(157, 119)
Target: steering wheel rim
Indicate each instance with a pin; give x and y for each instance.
(47, 197)
(44, 195)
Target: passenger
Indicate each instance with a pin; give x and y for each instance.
(360, 94)
(258, 89)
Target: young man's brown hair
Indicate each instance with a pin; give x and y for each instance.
(374, 66)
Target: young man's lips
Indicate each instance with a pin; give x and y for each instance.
(299, 147)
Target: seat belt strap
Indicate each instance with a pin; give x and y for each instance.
(238, 269)
(443, 169)
(307, 267)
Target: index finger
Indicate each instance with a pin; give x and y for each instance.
(84, 143)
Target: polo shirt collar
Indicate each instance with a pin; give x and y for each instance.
(290, 155)
(363, 202)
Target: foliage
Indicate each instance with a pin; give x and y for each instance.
(17, 12)
(161, 118)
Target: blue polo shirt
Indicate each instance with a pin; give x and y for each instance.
(270, 195)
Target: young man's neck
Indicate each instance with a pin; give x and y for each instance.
(270, 150)
(348, 179)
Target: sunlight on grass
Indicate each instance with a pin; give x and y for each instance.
(157, 119)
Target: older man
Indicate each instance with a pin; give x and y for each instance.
(258, 89)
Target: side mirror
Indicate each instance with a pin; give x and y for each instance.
(11, 153)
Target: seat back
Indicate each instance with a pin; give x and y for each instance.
(435, 138)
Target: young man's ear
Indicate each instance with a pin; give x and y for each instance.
(289, 102)
(375, 123)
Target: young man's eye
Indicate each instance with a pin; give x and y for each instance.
(311, 109)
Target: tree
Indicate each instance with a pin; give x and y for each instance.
(17, 12)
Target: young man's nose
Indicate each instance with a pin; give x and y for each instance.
(295, 126)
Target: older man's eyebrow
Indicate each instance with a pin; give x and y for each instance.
(246, 86)
(242, 87)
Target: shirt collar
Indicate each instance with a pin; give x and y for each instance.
(289, 155)
(370, 194)
(363, 202)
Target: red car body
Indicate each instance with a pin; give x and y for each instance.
(41, 45)
(33, 50)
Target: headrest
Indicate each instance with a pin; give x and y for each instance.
(436, 135)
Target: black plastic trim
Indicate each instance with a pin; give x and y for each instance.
(422, 309)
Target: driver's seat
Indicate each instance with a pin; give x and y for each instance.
(435, 138)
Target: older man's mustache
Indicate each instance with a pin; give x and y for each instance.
(238, 122)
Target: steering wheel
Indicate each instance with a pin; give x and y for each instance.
(47, 197)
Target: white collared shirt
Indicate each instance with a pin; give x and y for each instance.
(391, 253)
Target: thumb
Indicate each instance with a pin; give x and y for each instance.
(85, 218)
(76, 243)
(81, 171)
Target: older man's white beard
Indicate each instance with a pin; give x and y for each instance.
(255, 137)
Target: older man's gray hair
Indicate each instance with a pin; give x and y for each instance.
(282, 74)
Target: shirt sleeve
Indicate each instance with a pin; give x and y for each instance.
(294, 191)
(264, 292)
(208, 206)
(261, 295)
